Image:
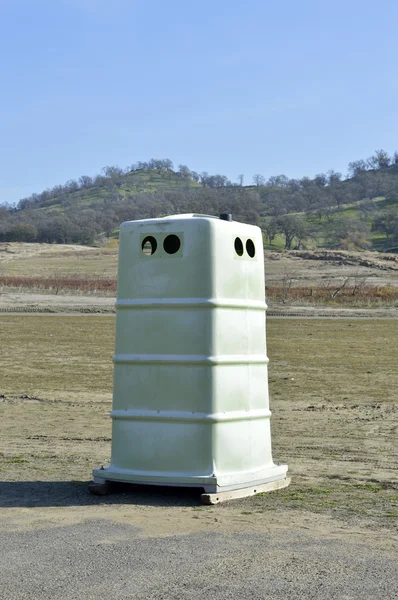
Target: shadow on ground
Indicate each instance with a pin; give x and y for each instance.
(75, 493)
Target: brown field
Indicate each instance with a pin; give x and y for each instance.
(333, 388)
(331, 295)
(304, 269)
(56, 260)
(307, 279)
(334, 295)
(332, 383)
(83, 285)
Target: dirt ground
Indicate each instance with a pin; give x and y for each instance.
(317, 268)
(17, 302)
(333, 387)
(332, 534)
(54, 303)
(335, 418)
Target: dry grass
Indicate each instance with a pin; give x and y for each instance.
(333, 395)
(82, 285)
(334, 295)
(30, 268)
(56, 375)
(51, 260)
(369, 296)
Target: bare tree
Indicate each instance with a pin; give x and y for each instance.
(382, 159)
(287, 282)
(340, 287)
(204, 178)
(258, 180)
(334, 177)
(356, 167)
(359, 283)
(278, 181)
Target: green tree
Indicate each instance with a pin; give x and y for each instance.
(356, 167)
(184, 172)
(292, 228)
(270, 230)
(385, 222)
(23, 233)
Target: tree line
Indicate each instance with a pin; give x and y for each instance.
(116, 176)
(80, 210)
(84, 225)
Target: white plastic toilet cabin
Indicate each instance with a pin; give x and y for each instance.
(190, 401)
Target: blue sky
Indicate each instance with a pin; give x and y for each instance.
(223, 86)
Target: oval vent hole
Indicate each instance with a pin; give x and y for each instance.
(238, 246)
(149, 245)
(251, 250)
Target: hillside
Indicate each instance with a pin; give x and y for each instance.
(327, 211)
(125, 186)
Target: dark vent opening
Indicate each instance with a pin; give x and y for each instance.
(250, 248)
(172, 244)
(238, 246)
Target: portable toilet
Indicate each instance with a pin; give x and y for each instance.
(190, 401)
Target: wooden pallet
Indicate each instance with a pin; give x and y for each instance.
(103, 487)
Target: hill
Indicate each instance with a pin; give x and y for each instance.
(327, 211)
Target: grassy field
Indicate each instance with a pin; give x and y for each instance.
(48, 260)
(333, 396)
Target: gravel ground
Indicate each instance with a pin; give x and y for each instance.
(105, 559)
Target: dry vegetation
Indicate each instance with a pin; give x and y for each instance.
(307, 278)
(55, 285)
(341, 293)
(347, 292)
(54, 261)
(333, 396)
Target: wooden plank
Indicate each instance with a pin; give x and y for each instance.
(218, 497)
